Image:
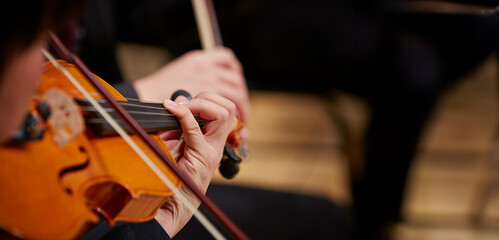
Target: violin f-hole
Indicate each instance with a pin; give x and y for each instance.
(73, 169)
(111, 203)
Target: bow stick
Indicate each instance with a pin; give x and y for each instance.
(223, 219)
(207, 24)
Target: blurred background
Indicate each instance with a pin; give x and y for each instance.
(387, 105)
(453, 188)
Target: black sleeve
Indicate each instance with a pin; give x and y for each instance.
(265, 214)
(127, 231)
(126, 89)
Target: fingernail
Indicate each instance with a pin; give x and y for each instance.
(183, 103)
(169, 104)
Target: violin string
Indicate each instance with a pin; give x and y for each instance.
(110, 110)
(202, 219)
(75, 92)
(136, 105)
(162, 111)
(139, 100)
(142, 106)
(91, 109)
(100, 120)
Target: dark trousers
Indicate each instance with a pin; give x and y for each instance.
(264, 214)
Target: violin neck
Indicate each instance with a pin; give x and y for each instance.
(153, 117)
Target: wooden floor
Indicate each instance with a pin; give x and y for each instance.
(297, 146)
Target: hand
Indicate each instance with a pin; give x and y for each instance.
(216, 71)
(198, 153)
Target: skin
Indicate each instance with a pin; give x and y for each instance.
(218, 71)
(17, 85)
(198, 153)
(196, 146)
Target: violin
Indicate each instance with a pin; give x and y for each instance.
(68, 164)
(71, 172)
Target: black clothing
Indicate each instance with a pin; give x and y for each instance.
(130, 231)
(399, 63)
(261, 214)
(264, 214)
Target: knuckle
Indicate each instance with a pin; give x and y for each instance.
(193, 54)
(192, 127)
(200, 66)
(231, 107)
(228, 51)
(203, 95)
(225, 115)
(197, 59)
(182, 111)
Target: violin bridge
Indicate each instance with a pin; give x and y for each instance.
(65, 119)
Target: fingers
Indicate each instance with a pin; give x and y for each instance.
(230, 77)
(226, 57)
(222, 57)
(218, 71)
(227, 106)
(231, 85)
(217, 110)
(239, 97)
(200, 108)
(208, 105)
(219, 113)
(190, 128)
(170, 135)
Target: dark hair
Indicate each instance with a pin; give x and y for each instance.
(23, 22)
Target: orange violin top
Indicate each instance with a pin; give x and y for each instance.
(52, 187)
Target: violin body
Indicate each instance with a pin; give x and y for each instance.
(58, 186)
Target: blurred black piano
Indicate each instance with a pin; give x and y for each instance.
(484, 189)
(475, 7)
